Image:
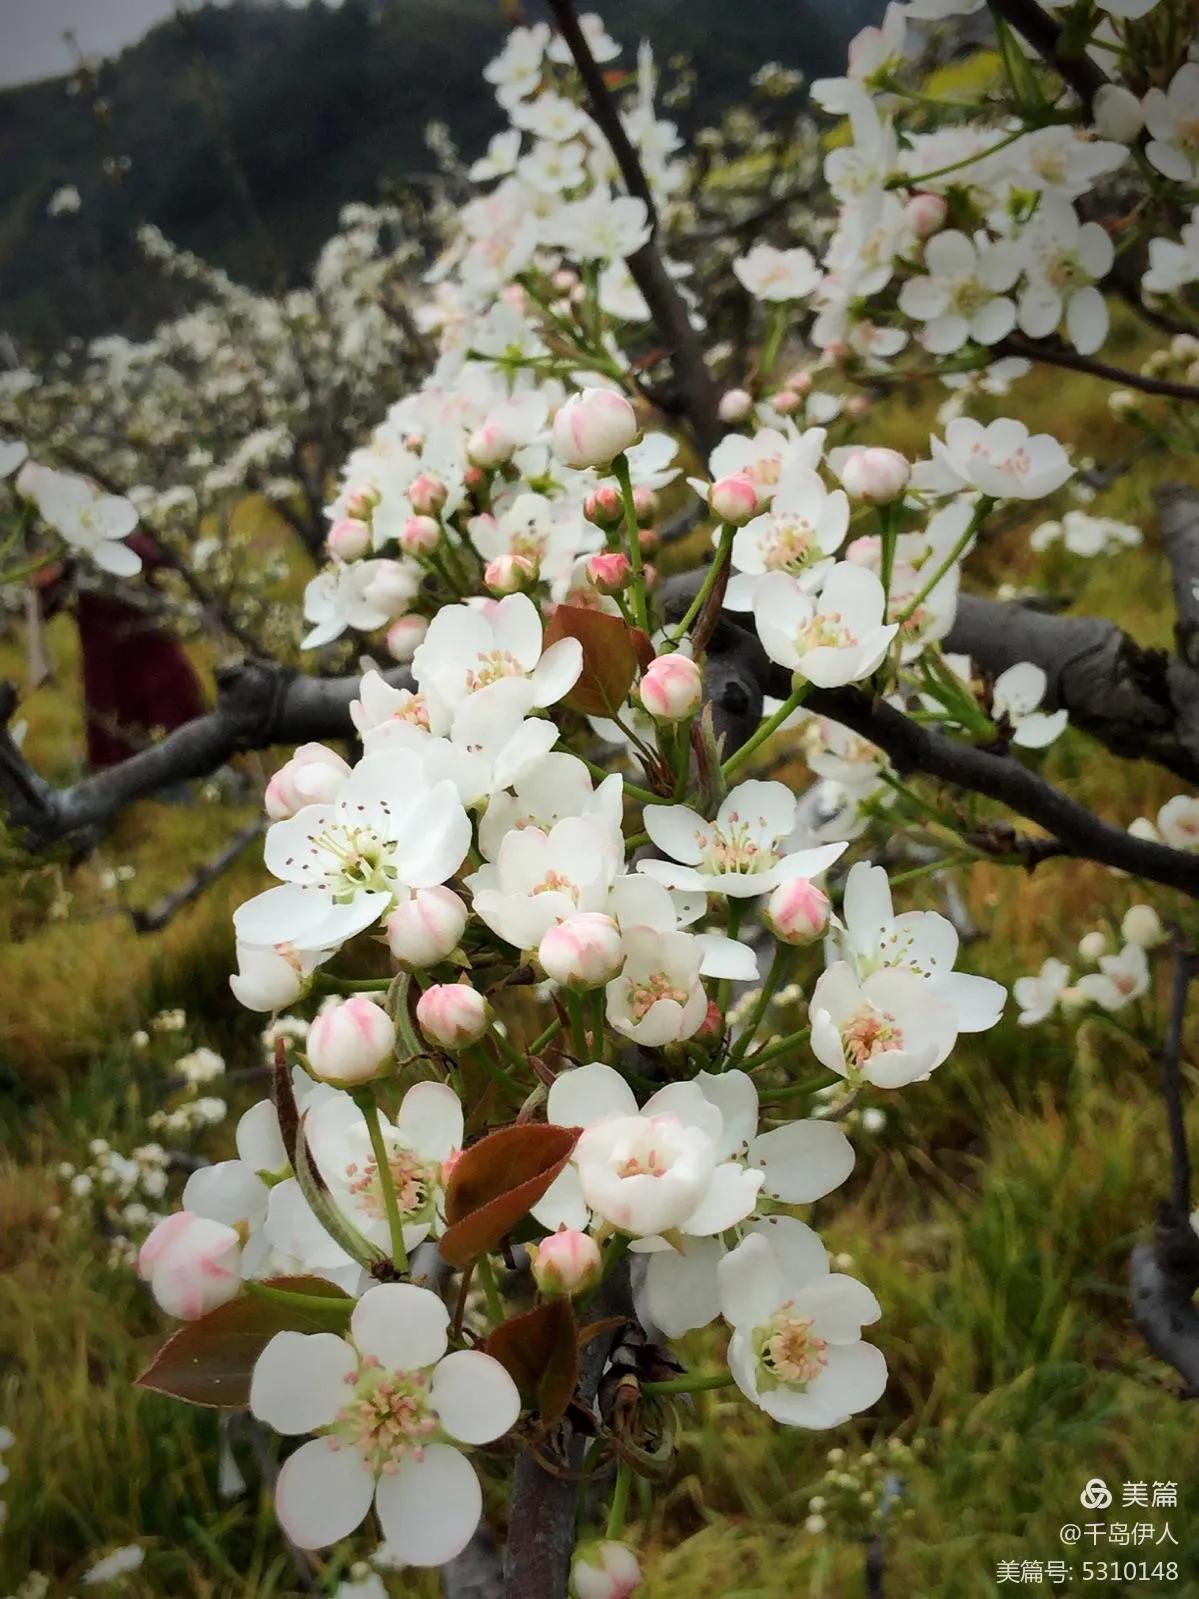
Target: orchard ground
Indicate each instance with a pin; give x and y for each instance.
(993, 1214)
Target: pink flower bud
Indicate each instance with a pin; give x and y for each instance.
(426, 927)
(857, 406)
(474, 477)
(926, 213)
(420, 535)
(786, 402)
(735, 405)
(564, 280)
(874, 475)
(645, 506)
(192, 1264)
(348, 540)
(313, 776)
(405, 636)
(490, 445)
(672, 688)
(593, 427)
(582, 952)
(567, 1262)
(604, 1570)
(797, 912)
(712, 1026)
(734, 499)
(360, 503)
(604, 506)
(649, 577)
(427, 495)
(649, 540)
(867, 550)
(453, 1015)
(510, 574)
(800, 382)
(349, 1041)
(609, 571)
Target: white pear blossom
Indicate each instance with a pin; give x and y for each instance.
(1038, 997)
(777, 275)
(90, 521)
(1064, 259)
(1172, 120)
(391, 1408)
(1120, 979)
(1016, 698)
(800, 533)
(541, 878)
(840, 637)
(963, 294)
(886, 1029)
(742, 853)
(1001, 459)
(796, 1348)
(470, 648)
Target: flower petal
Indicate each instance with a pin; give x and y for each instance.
(299, 1380)
(474, 1397)
(430, 1507)
(802, 1161)
(589, 1094)
(322, 1493)
(402, 1325)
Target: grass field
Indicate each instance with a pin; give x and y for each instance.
(993, 1215)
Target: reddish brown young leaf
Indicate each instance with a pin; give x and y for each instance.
(540, 1352)
(496, 1182)
(210, 1361)
(611, 652)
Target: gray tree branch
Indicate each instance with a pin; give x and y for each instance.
(1178, 513)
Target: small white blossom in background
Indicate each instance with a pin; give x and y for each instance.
(119, 1563)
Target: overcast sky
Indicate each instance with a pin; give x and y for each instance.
(31, 42)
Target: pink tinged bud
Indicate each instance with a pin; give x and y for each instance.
(349, 539)
(427, 927)
(645, 506)
(453, 1015)
(568, 1262)
(420, 535)
(604, 1570)
(797, 912)
(313, 776)
(474, 477)
(649, 539)
(672, 688)
(735, 405)
(786, 402)
(510, 574)
(192, 1264)
(874, 475)
(405, 636)
(649, 577)
(712, 1026)
(593, 428)
(734, 499)
(350, 1041)
(427, 495)
(604, 506)
(582, 952)
(800, 382)
(864, 551)
(564, 280)
(609, 572)
(857, 406)
(359, 503)
(490, 445)
(926, 214)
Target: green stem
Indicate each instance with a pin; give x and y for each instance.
(542, 1039)
(479, 1057)
(771, 725)
(907, 182)
(620, 1499)
(365, 1100)
(578, 1031)
(336, 1309)
(732, 927)
(773, 1051)
(491, 1290)
(683, 758)
(645, 795)
(326, 983)
(981, 512)
(889, 516)
(620, 469)
(784, 954)
(687, 1385)
(719, 562)
(774, 338)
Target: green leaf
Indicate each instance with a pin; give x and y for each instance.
(1021, 75)
(498, 1181)
(211, 1361)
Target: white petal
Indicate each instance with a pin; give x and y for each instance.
(404, 1326)
(474, 1396)
(299, 1381)
(562, 1204)
(802, 1161)
(431, 1120)
(673, 828)
(681, 1288)
(116, 558)
(322, 1494)
(430, 1508)
(730, 1198)
(839, 1306)
(587, 1095)
(801, 1256)
(736, 1097)
(751, 1285)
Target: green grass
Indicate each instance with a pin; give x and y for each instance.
(993, 1216)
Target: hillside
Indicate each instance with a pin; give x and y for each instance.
(321, 105)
